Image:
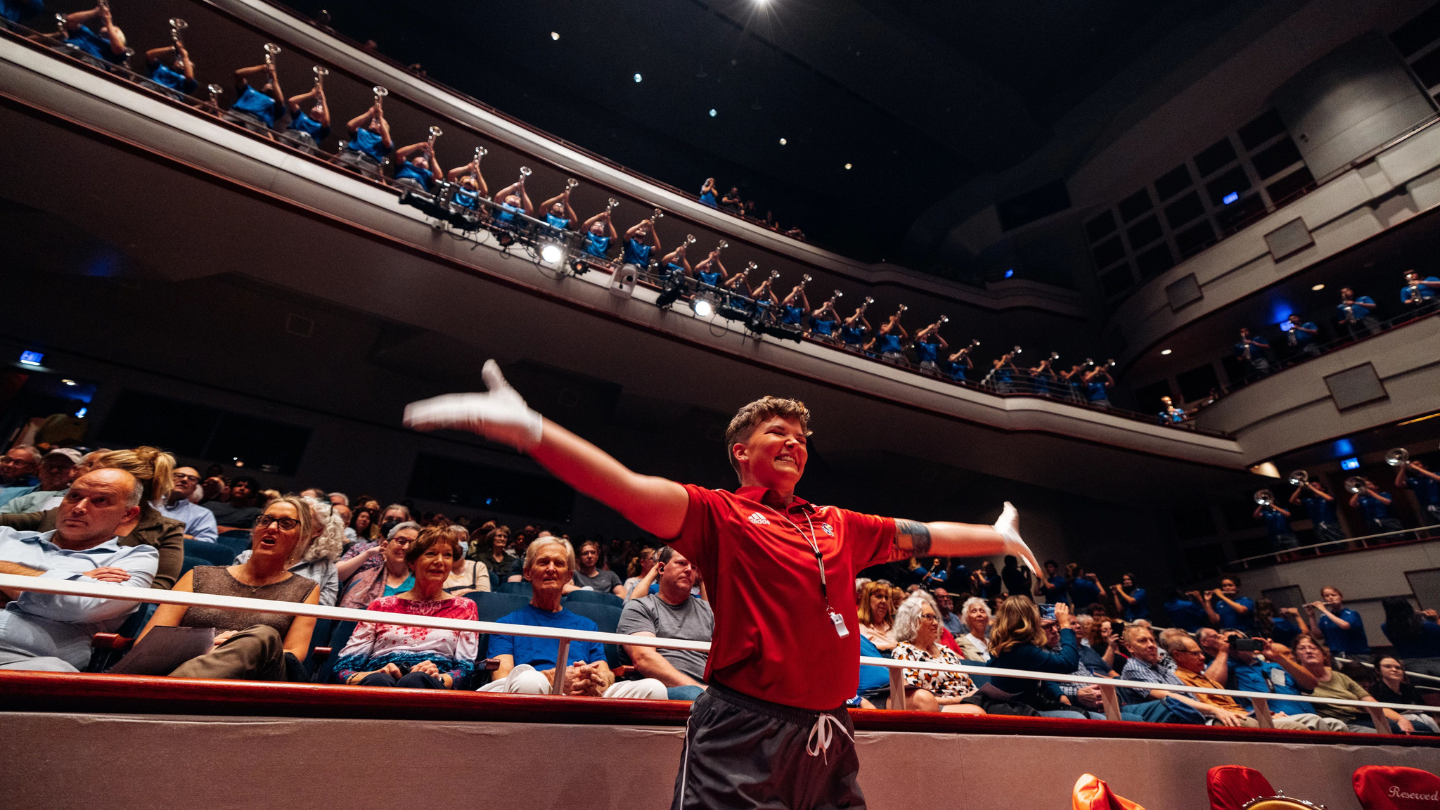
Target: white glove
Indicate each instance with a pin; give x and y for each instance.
(500, 414)
(1009, 527)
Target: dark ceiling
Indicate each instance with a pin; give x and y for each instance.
(919, 96)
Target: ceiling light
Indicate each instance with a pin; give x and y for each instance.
(637, 78)
(712, 112)
(68, 382)
(551, 253)
(555, 35)
(782, 141)
(1318, 287)
(847, 166)
(1165, 352)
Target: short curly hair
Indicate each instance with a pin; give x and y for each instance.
(756, 413)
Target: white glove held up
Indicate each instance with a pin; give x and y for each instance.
(500, 414)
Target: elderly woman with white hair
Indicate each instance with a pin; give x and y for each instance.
(917, 638)
(315, 557)
(393, 575)
(528, 665)
(975, 643)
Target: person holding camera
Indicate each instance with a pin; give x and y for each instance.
(1227, 609)
(1260, 665)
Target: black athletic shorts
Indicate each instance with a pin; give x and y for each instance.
(745, 753)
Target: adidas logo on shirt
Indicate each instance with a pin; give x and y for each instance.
(758, 519)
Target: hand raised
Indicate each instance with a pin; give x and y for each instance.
(499, 414)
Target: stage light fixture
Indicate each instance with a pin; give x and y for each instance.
(1317, 288)
(847, 167)
(551, 253)
(712, 112)
(68, 382)
(782, 141)
(1166, 352)
(555, 35)
(637, 78)
(702, 307)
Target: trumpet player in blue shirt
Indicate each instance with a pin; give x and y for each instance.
(1357, 314)
(1320, 507)
(1420, 294)
(1302, 336)
(929, 344)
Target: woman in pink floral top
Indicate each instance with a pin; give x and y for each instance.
(415, 657)
(917, 634)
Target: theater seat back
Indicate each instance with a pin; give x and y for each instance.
(1232, 786)
(1091, 793)
(1388, 787)
(211, 553)
(606, 618)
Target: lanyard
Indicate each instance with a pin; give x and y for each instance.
(814, 546)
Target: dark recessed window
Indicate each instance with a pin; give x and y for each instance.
(1215, 158)
(1261, 130)
(1183, 210)
(1197, 383)
(1237, 215)
(1419, 32)
(1192, 522)
(1135, 205)
(1107, 253)
(1144, 232)
(1276, 159)
(476, 486)
(1427, 68)
(1194, 239)
(1173, 182)
(1226, 189)
(1154, 261)
(1288, 187)
(1116, 281)
(1100, 227)
(187, 429)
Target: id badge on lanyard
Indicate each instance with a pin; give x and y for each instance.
(835, 618)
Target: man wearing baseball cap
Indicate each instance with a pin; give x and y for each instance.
(57, 469)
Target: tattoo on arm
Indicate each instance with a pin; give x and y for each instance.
(918, 535)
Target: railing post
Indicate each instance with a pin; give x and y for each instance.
(562, 658)
(897, 689)
(1382, 723)
(1262, 713)
(1111, 701)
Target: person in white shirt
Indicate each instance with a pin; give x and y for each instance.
(199, 521)
(975, 643)
(52, 632)
(57, 469)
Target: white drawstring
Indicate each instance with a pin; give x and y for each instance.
(821, 735)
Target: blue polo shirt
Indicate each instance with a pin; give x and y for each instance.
(1426, 293)
(371, 143)
(1262, 677)
(1186, 615)
(1374, 509)
(1426, 489)
(1299, 337)
(1140, 609)
(264, 107)
(540, 652)
(1345, 641)
(1320, 510)
(1275, 521)
(873, 680)
(636, 253)
(1083, 593)
(1232, 620)
(1353, 310)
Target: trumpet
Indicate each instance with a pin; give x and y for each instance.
(655, 217)
(611, 204)
(380, 94)
(62, 26)
(774, 274)
(571, 183)
(320, 74)
(1265, 497)
(805, 279)
(1356, 485)
(834, 298)
(215, 93)
(271, 51)
(1017, 350)
(1053, 357)
(723, 244)
(901, 311)
(1398, 457)
(524, 173)
(944, 319)
(689, 239)
(480, 152)
(974, 343)
(434, 133)
(1299, 478)
(1110, 363)
(176, 26)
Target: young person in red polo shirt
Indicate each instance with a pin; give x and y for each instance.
(771, 730)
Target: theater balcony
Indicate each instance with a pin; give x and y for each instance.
(171, 198)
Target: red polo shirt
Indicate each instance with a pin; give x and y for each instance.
(773, 638)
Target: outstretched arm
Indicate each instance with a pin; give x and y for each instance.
(945, 539)
(656, 505)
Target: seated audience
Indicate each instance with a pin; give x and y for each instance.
(252, 645)
(974, 642)
(1415, 636)
(263, 105)
(199, 522)
(57, 469)
(670, 613)
(1227, 609)
(369, 142)
(917, 633)
(367, 553)
(589, 576)
(1097, 645)
(315, 558)
(1392, 686)
(466, 575)
(949, 619)
(1018, 641)
(527, 664)
(241, 506)
(391, 576)
(874, 613)
(1330, 683)
(641, 574)
(104, 41)
(51, 632)
(17, 472)
(1276, 672)
(1190, 670)
(380, 654)
(1341, 627)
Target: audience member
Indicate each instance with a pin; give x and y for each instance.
(1341, 627)
(17, 472)
(873, 610)
(1278, 673)
(391, 576)
(1227, 609)
(949, 619)
(974, 642)
(1019, 642)
(1415, 636)
(589, 576)
(527, 664)
(241, 506)
(708, 193)
(315, 558)
(1016, 579)
(1054, 587)
(466, 575)
(380, 654)
(670, 613)
(1392, 686)
(1332, 684)
(57, 469)
(252, 645)
(48, 632)
(1190, 670)
(1130, 599)
(1184, 613)
(199, 522)
(1085, 589)
(917, 633)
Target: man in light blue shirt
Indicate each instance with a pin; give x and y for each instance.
(52, 632)
(17, 472)
(199, 521)
(57, 469)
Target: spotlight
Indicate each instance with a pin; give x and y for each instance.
(555, 35)
(551, 253)
(68, 382)
(782, 141)
(1165, 352)
(1318, 287)
(703, 305)
(712, 112)
(847, 167)
(637, 78)
(671, 294)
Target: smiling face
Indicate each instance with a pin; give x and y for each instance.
(977, 620)
(774, 455)
(433, 566)
(396, 547)
(549, 571)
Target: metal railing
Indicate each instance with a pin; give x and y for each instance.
(1108, 686)
(1334, 547)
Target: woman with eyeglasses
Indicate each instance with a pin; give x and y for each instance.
(917, 638)
(252, 645)
(314, 558)
(392, 576)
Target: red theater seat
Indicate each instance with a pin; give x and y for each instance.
(1384, 787)
(1232, 786)
(1091, 793)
